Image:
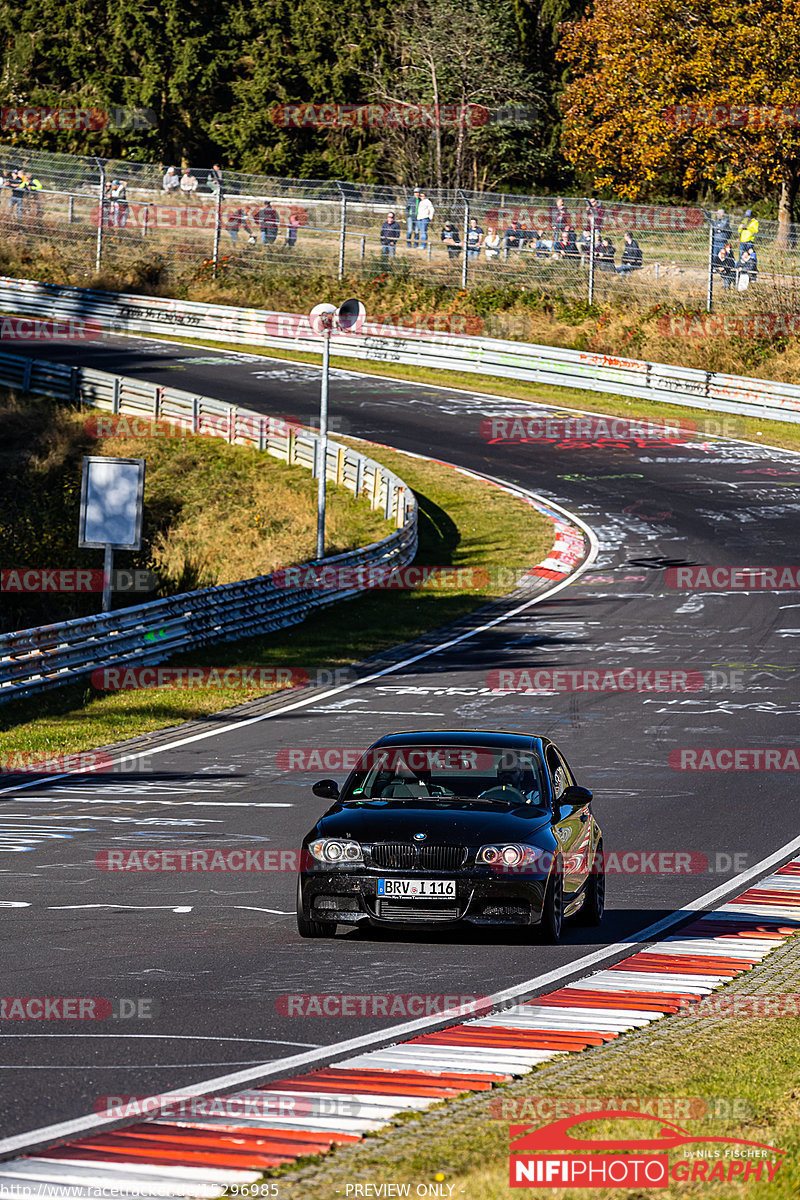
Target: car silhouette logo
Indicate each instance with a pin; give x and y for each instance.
(420, 837)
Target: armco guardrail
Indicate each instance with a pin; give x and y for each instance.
(482, 356)
(33, 660)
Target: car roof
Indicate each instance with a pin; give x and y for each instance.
(463, 737)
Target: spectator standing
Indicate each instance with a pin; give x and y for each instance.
(424, 218)
(214, 180)
(35, 189)
(188, 184)
(119, 203)
(412, 208)
(748, 267)
(748, 228)
(491, 243)
(18, 189)
(291, 232)
(584, 244)
(390, 236)
(725, 265)
(235, 221)
(266, 218)
(559, 220)
(451, 239)
(721, 231)
(170, 183)
(631, 255)
(474, 238)
(593, 205)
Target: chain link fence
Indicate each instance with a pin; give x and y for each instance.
(196, 224)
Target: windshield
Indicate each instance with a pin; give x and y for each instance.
(442, 772)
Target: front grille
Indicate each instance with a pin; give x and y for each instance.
(405, 856)
(400, 910)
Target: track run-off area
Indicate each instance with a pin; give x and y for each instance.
(196, 966)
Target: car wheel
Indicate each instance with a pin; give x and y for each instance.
(312, 929)
(593, 907)
(549, 928)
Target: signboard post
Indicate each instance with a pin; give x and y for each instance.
(112, 495)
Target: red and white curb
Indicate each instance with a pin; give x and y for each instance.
(176, 1157)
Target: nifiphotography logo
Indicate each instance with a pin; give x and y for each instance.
(552, 1156)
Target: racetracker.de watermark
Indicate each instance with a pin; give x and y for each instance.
(726, 325)
(422, 325)
(538, 681)
(45, 119)
(576, 431)
(737, 116)
(453, 759)
(329, 578)
(627, 862)
(86, 762)
(330, 115)
(77, 1008)
(735, 758)
(126, 679)
(171, 860)
(74, 580)
(665, 1108)
(389, 1004)
(26, 329)
(265, 1103)
(239, 425)
(733, 579)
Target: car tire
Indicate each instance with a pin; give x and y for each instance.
(312, 929)
(593, 907)
(550, 926)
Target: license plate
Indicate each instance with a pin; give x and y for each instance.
(418, 889)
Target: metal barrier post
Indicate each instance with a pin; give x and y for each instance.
(342, 229)
(591, 257)
(217, 229)
(322, 444)
(101, 220)
(710, 284)
(464, 268)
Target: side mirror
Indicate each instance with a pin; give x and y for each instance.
(576, 797)
(326, 789)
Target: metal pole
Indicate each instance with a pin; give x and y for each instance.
(322, 462)
(217, 229)
(710, 285)
(342, 231)
(145, 220)
(466, 230)
(71, 214)
(591, 258)
(108, 567)
(100, 222)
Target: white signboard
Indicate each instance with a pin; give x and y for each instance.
(112, 494)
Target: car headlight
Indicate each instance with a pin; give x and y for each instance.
(512, 855)
(333, 850)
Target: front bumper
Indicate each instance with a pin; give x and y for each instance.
(348, 896)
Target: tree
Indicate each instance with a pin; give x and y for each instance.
(466, 54)
(670, 96)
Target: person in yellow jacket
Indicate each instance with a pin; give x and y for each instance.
(748, 228)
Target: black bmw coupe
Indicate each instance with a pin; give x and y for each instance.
(435, 828)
